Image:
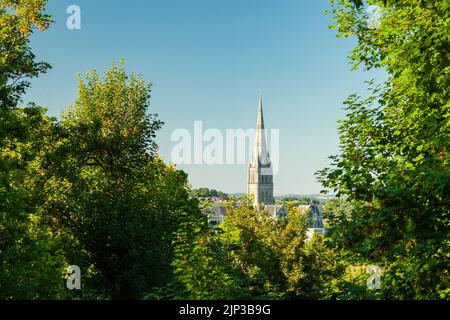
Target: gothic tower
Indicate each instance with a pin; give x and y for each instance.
(260, 175)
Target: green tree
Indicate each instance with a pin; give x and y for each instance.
(205, 192)
(394, 160)
(32, 260)
(253, 256)
(106, 190)
(30, 264)
(18, 20)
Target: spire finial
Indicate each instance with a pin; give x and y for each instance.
(260, 123)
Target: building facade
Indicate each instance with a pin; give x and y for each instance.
(260, 173)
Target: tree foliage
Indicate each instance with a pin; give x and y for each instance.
(394, 161)
(27, 268)
(205, 192)
(18, 20)
(253, 256)
(106, 190)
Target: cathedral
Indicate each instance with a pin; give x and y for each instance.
(260, 174)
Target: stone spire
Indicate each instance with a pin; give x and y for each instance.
(260, 154)
(260, 122)
(260, 176)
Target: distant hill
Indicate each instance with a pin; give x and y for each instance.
(237, 194)
(293, 195)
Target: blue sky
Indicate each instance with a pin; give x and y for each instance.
(208, 60)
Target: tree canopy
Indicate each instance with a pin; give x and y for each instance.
(394, 160)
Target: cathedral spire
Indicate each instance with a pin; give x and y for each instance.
(260, 124)
(260, 175)
(260, 154)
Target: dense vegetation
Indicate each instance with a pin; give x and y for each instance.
(394, 161)
(89, 189)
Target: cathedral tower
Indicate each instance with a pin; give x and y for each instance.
(260, 174)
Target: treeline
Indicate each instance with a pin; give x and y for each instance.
(206, 193)
(299, 200)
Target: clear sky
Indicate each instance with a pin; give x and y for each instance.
(208, 60)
